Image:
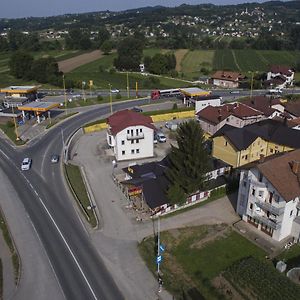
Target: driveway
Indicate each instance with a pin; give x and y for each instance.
(119, 235)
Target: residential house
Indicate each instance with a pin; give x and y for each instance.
(237, 114)
(146, 185)
(269, 106)
(240, 146)
(227, 79)
(269, 195)
(204, 101)
(293, 109)
(283, 74)
(130, 135)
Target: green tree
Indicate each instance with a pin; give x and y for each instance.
(20, 64)
(189, 162)
(176, 194)
(103, 35)
(106, 47)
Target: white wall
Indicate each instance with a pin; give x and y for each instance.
(201, 104)
(134, 148)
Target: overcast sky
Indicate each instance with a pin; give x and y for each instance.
(39, 8)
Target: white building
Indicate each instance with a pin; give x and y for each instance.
(286, 74)
(204, 101)
(130, 135)
(269, 194)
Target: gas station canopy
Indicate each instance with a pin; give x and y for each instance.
(194, 92)
(16, 89)
(38, 106)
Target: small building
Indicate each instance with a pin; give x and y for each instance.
(240, 146)
(211, 118)
(203, 101)
(130, 135)
(192, 93)
(283, 73)
(269, 194)
(227, 79)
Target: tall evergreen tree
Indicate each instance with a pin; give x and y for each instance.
(189, 162)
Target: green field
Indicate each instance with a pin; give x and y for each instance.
(195, 60)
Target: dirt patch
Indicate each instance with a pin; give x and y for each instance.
(70, 64)
(179, 54)
(226, 288)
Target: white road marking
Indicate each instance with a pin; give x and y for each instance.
(58, 230)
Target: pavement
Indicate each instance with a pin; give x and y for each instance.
(36, 270)
(120, 233)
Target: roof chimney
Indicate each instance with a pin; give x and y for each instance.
(295, 167)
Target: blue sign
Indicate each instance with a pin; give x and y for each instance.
(158, 259)
(162, 248)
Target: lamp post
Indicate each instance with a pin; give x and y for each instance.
(64, 84)
(127, 86)
(15, 123)
(110, 98)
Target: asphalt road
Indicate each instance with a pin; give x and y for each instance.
(79, 269)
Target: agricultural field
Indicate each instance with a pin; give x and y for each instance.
(255, 279)
(193, 61)
(180, 54)
(196, 256)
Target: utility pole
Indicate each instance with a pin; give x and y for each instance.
(110, 98)
(15, 123)
(127, 86)
(158, 243)
(136, 89)
(65, 93)
(251, 91)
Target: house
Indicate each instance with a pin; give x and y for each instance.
(269, 193)
(211, 118)
(227, 79)
(240, 146)
(293, 109)
(130, 135)
(281, 73)
(203, 101)
(146, 185)
(270, 107)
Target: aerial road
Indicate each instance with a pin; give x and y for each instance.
(77, 265)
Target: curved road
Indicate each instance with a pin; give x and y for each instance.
(79, 269)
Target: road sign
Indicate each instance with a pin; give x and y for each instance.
(158, 259)
(162, 248)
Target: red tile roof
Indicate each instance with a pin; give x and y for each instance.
(227, 75)
(279, 171)
(293, 108)
(281, 69)
(263, 104)
(125, 118)
(216, 114)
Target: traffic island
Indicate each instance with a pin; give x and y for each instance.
(9, 130)
(78, 187)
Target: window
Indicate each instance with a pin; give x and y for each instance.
(132, 141)
(226, 143)
(137, 132)
(123, 152)
(123, 142)
(128, 131)
(132, 151)
(137, 150)
(141, 129)
(260, 177)
(251, 205)
(137, 141)
(244, 183)
(271, 150)
(291, 213)
(260, 194)
(131, 131)
(246, 157)
(253, 192)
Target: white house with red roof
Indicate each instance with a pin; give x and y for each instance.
(280, 76)
(130, 135)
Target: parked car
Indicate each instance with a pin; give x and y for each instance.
(161, 137)
(26, 164)
(115, 91)
(171, 125)
(54, 158)
(137, 109)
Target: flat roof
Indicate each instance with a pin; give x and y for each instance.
(38, 106)
(20, 89)
(194, 91)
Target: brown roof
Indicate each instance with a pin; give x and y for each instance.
(293, 108)
(281, 69)
(228, 75)
(279, 171)
(125, 118)
(263, 104)
(216, 114)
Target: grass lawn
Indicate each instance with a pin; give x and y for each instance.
(194, 61)
(9, 130)
(291, 256)
(196, 255)
(77, 185)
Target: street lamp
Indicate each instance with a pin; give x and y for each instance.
(64, 84)
(110, 98)
(251, 84)
(15, 123)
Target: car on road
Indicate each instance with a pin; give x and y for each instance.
(54, 158)
(137, 109)
(115, 91)
(160, 137)
(234, 92)
(26, 164)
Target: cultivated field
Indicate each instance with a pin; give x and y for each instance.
(180, 54)
(72, 63)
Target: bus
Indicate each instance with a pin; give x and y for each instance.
(158, 94)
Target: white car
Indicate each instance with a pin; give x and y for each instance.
(115, 91)
(26, 164)
(161, 137)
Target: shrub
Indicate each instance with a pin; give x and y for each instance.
(175, 106)
(118, 96)
(99, 98)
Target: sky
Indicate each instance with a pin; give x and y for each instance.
(41, 8)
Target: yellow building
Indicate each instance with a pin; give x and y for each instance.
(240, 146)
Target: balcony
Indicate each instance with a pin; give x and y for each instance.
(268, 222)
(135, 136)
(269, 207)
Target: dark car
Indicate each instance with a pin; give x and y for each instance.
(137, 109)
(54, 158)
